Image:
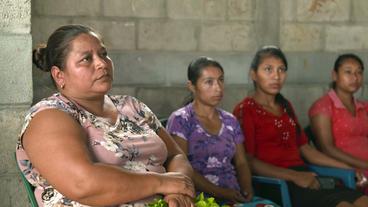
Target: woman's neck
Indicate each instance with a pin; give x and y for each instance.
(95, 105)
(203, 110)
(346, 98)
(264, 99)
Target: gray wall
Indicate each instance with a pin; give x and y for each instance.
(15, 92)
(152, 42)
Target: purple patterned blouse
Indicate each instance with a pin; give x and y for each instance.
(209, 154)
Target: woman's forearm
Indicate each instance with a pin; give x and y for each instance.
(108, 185)
(180, 163)
(244, 176)
(264, 169)
(313, 156)
(346, 158)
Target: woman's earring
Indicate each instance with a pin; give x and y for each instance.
(62, 86)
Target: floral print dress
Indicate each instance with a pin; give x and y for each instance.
(131, 143)
(209, 154)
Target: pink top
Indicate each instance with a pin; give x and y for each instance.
(350, 132)
(131, 143)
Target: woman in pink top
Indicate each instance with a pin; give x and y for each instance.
(340, 121)
(81, 147)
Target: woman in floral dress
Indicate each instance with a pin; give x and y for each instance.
(81, 147)
(211, 137)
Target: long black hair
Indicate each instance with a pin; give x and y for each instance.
(195, 69)
(273, 51)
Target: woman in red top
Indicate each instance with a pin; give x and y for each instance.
(340, 121)
(275, 141)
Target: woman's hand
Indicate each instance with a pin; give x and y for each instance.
(176, 183)
(179, 200)
(306, 180)
(248, 194)
(362, 180)
(231, 195)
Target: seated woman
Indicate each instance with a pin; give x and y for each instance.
(211, 137)
(276, 143)
(81, 147)
(338, 120)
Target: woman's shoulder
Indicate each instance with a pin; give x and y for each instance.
(123, 99)
(244, 106)
(226, 115)
(247, 103)
(129, 103)
(55, 101)
(322, 101)
(182, 113)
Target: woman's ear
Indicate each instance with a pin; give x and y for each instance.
(253, 75)
(190, 86)
(334, 75)
(58, 76)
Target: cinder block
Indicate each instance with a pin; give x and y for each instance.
(12, 192)
(166, 35)
(16, 72)
(214, 10)
(179, 9)
(67, 7)
(117, 35)
(43, 27)
(301, 37)
(346, 38)
(227, 37)
(302, 96)
(137, 68)
(194, 9)
(323, 11)
(15, 16)
(162, 100)
(123, 90)
(233, 94)
(360, 10)
(240, 10)
(11, 121)
(309, 67)
(134, 8)
(236, 66)
(288, 10)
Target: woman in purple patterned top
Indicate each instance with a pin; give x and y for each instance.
(212, 137)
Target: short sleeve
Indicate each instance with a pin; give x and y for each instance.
(53, 102)
(243, 113)
(322, 106)
(178, 124)
(232, 124)
(239, 136)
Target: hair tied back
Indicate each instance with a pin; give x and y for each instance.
(39, 57)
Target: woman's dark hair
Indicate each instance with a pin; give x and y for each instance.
(341, 60)
(195, 69)
(275, 52)
(58, 45)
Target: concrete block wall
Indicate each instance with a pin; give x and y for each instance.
(15, 92)
(153, 41)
